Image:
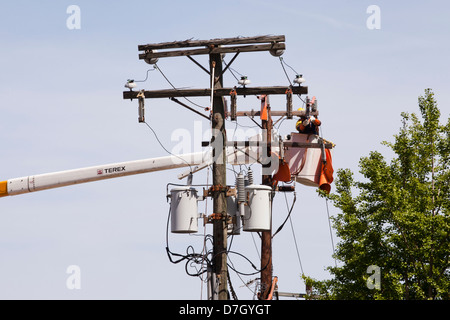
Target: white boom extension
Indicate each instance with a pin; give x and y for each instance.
(305, 167)
(113, 170)
(59, 179)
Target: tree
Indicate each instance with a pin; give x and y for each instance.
(397, 218)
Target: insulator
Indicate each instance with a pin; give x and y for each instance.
(299, 79)
(244, 81)
(130, 84)
(250, 176)
(240, 184)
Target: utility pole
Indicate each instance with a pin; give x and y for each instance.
(219, 179)
(215, 48)
(266, 236)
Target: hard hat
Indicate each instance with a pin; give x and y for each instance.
(301, 109)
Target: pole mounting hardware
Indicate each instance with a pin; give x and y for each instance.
(215, 189)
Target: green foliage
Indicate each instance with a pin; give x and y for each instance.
(397, 218)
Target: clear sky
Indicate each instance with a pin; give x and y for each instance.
(62, 108)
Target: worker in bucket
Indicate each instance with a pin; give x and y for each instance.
(308, 124)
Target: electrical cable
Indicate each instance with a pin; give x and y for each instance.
(204, 234)
(284, 69)
(246, 284)
(192, 258)
(282, 60)
(293, 231)
(146, 76)
(169, 253)
(287, 76)
(233, 293)
(288, 216)
(256, 247)
(231, 71)
(228, 252)
(296, 246)
(162, 146)
(281, 122)
(243, 126)
(243, 273)
(331, 233)
(162, 73)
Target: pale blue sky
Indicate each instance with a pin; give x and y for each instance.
(61, 108)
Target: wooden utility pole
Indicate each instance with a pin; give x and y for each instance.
(215, 48)
(219, 179)
(266, 236)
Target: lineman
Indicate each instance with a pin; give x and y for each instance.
(308, 124)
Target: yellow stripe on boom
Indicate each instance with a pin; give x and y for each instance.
(3, 188)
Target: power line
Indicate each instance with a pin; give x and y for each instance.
(288, 216)
(204, 233)
(175, 88)
(146, 76)
(162, 146)
(192, 258)
(231, 71)
(293, 234)
(287, 76)
(284, 69)
(282, 60)
(296, 245)
(331, 233)
(256, 247)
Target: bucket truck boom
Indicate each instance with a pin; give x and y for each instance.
(196, 161)
(108, 171)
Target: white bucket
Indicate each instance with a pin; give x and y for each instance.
(304, 163)
(184, 210)
(258, 214)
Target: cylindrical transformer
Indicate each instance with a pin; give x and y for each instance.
(232, 210)
(184, 210)
(258, 214)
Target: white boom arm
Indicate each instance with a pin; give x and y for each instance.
(114, 170)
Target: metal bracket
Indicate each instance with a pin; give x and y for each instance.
(218, 216)
(229, 192)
